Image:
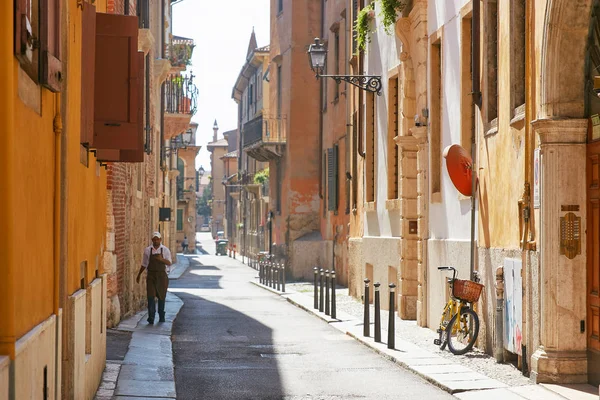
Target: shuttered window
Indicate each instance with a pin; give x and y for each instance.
(117, 107)
(179, 220)
(37, 40)
(391, 142)
(332, 178)
(136, 154)
(88, 68)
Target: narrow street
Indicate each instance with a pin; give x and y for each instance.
(234, 340)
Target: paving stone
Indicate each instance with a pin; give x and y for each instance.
(141, 373)
(104, 393)
(441, 369)
(490, 394)
(456, 386)
(108, 385)
(535, 392)
(574, 391)
(145, 388)
(458, 376)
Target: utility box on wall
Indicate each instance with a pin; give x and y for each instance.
(164, 214)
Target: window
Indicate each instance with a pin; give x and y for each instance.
(41, 61)
(279, 89)
(355, 129)
(491, 62)
(355, 9)
(370, 148)
(436, 116)
(332, 178)
(279, 6)
(278, 185)
(347, 169)
(324, 181)
(517, 57)
(336, 67)
(467, 107)
(392, 156)
(179, 220)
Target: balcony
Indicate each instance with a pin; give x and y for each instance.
(264, 137)
(180, 104)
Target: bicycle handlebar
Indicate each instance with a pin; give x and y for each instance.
(446, 268)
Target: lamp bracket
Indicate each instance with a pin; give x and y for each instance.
(370, 83)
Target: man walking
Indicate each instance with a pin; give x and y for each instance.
(156, 258)
(185, 244)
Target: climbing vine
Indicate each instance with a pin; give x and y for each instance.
(388, 13)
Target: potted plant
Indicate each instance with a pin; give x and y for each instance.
(389, 13)
(363, 26)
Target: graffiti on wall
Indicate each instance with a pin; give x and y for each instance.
(513, 305)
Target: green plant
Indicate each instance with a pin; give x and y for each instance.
(363, 18)
(389, 13)
(261, 176)
(180, 54)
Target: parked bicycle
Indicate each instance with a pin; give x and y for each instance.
(459, 325)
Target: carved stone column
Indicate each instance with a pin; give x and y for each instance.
(561, 356)
(420, 134)
(407, 301)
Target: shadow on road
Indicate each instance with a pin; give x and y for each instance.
(218, 352)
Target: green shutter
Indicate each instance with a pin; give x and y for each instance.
(179, 220)
(332, 178)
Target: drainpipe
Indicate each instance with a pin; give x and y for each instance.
(475, 51)
(320, 109)
(499, 328)
(525, 201)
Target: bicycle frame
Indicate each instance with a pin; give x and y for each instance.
(454, 305)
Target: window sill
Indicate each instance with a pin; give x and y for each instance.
(370, 206)
(491, 128)
(519, 115)
(392, 204)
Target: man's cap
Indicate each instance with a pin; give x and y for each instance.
(157, 235)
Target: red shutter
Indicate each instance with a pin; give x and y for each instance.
(137, 154)
(51, 66)
(88, 67)
(116, 83)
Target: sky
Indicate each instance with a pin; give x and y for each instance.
(221, 31)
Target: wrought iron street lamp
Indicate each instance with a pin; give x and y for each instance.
(201, 171)
(317, 55)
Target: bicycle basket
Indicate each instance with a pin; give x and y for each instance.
(467, 290)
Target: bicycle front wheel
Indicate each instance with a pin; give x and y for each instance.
(462, 331)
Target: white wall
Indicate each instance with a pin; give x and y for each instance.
(382, 55)
(450, 219)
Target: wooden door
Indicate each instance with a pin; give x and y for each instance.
(593, 241)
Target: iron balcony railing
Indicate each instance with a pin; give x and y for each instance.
(266, 129)
(181, 94)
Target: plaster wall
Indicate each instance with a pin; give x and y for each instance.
(449, 215)
(382, 254)
(36, 351)
(4, 371)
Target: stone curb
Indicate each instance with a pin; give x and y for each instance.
(372, 345)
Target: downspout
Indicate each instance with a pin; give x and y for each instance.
(527, 242)
(475, 51)
(320, 109)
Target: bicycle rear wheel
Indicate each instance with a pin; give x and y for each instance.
(462, 331)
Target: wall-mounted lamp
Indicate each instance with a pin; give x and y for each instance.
(317, 55)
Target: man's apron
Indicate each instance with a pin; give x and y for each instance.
(157, 281)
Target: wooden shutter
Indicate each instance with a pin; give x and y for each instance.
(25, 38)
(51, 66)
(117, 83)
(179, 220)
(137, 154)
(332, 178)
(88, 68)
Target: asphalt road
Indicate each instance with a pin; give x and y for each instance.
(233, 340)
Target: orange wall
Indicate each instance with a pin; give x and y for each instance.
(29, 192)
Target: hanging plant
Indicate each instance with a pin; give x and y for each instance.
(362, 27)
(389, 13)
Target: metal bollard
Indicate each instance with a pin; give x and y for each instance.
(392, 318)
(333, 311)
(268, 266)
(283, 277)
(321, 284)
(274, 273)
(260, 272)
(377, 313)
(278, 271)
(327, 292)
(316, 290)
(367, 320)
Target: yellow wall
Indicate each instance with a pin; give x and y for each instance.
(501, 156)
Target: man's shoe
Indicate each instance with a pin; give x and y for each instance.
(162, 318)
(150, 321)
